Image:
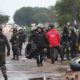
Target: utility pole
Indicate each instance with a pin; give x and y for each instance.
(74, 11)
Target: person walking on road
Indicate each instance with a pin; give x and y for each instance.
(3, 44)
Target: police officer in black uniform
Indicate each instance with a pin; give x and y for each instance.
(3, 44)
(65, 40)
(73, 41)
(30, 49)
(14, 43)
(40, 40)
(21, 40)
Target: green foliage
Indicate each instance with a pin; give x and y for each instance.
(28, 29)
(64, 10)
(26, 16)
(41, 17)
(23, 16)
(3, 19)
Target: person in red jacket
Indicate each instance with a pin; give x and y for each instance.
(54, 40)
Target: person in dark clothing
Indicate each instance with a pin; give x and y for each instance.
(21, 39)
(3, 43)
(30, 48)
(14, 43)
(40, 40)
(53, 37)
(65, 39)
(27, 50)
(47, 47)
(73, 41)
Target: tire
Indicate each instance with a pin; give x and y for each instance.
(27, 50)
(75, 64)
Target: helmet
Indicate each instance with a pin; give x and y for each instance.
(50, 26)
(14, 30)
(72, 30)
(33, 28)
(21, 31)
(65, 28)
(40, 26)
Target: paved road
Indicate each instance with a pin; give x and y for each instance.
(24, 69)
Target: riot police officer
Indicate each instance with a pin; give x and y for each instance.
(65, 40)
(73, 41)
(14, 43)
(3, 44)
(40, 40)
(21, 40)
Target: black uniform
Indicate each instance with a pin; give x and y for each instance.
(40, 41)
(14, 43)
(65, 39)
(30, 48)
(3, 44)
(73, 41)
(21, 39)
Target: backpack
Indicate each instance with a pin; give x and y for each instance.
(53, 38)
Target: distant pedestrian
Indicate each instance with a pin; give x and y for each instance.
(14, 43)
(65, 41)
(21, 40)
(73, 42)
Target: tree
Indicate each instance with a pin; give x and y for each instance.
(41, 17)
(28, 15)
(65, 11)
(52, 13)
(4, 19)
(23, 16)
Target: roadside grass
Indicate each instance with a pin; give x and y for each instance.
(66, 62)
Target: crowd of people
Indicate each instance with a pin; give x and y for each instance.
(17, 40)
(42, 45)
(45, 43)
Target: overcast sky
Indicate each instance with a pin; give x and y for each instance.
(10, 6)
